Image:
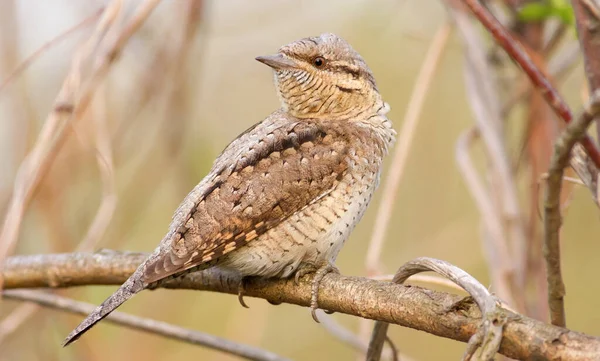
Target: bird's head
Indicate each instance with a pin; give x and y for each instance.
(323, 77)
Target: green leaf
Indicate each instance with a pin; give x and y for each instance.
(536, 12)
(543, 10)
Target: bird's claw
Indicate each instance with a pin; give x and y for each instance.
(241, 292)
(319, 275)
(304, 270)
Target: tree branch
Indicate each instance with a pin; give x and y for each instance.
(552, 217)
(408, 306)
(587, 22)
(145, 324)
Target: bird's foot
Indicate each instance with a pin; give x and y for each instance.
(242, 291)
(320, 272)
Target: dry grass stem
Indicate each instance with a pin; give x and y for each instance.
(15, 319)
(402, 149)
(47, 46)
(504, 241)
(403, 146)
(498, 253)
(70, 104)
(104, 159)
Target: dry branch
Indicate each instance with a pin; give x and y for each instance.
(145, 324)
(552, 217)
(538, 79)
(414, 307)
(586, 18)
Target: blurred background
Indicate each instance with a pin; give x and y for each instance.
(185, 85)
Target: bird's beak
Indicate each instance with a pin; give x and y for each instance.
(277, 61)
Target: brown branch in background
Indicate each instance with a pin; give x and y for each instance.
(587, 21)
(515, 50)
(552, 217)
(144, 324)
(414, 307)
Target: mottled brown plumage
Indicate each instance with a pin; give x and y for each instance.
(284, 195)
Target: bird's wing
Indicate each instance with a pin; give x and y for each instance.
(272, 171)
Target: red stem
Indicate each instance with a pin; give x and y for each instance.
(539, 80)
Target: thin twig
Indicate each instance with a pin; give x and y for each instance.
(144, 324)
(348, 337)
(538, 79)
(552, 217)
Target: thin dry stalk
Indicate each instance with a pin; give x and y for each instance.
(403, 146)
(497, 253)
(47, 46)
(104, 155)
(98, 226)
(15, 319)
(552, 217)
(104, 159)
(71, 104)
(501, 214)
(144, 324)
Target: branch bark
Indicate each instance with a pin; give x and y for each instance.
(552, 217)
(408, 306)
(587, 22)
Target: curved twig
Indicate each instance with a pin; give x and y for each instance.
(493, 322)
(552, 218)
(144, 324)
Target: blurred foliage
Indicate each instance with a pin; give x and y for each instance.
(544, 10)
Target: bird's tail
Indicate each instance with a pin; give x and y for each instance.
(132, 286)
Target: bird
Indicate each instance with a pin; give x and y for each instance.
(282, 198)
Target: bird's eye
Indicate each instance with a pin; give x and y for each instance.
(319, 61)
